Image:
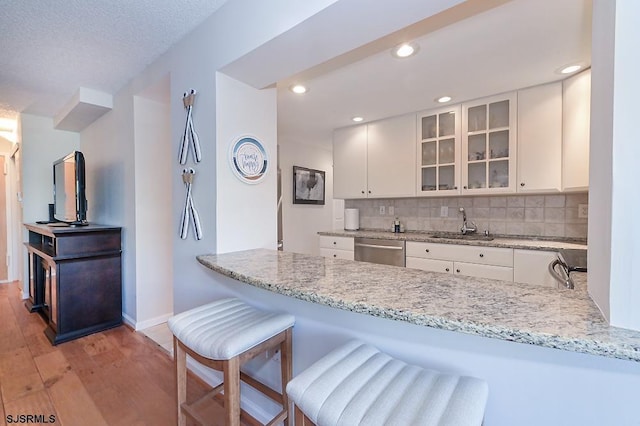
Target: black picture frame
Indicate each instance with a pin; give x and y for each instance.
(308, 186)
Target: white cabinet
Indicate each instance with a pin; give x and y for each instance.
(336, 247)
(576, 97)
(539, 166)
(532, 267)
(433, 265)
(391, 157)
(350, 162)
(475, 261)
(376, 160)
(439, 152)
(483, 271)
(489, 145)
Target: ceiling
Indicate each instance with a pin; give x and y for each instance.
(51, 48)
(518, 44)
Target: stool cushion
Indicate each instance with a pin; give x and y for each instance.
(358, 384)
(226, 328)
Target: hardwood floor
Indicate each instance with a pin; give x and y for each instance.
(116, 377)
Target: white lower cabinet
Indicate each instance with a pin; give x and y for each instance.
(475, 261)
(506, 264)
(336, 254)
(532, 267)
(483, 271)
(336, 247)
(432, 265)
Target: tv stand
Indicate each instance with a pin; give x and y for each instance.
(75, 278)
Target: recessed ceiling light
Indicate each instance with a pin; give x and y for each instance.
(298, 89)
(405, 50)
(443, 99)
(357, 119)
(570, 69)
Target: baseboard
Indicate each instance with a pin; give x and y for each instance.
(141, 325)
(214, 378)
(128, 321)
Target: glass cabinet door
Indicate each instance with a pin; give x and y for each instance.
(438, 150)
(487, 144)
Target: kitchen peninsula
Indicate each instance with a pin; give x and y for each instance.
(549, 317)
(548, 355)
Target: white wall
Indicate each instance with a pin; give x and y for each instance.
(600, 185)
(108, 146)
(625, 204)
(237, 28)
(302, 222)
(614, 267)
(234, 30)
(13, 209)
(528, 385)
(154, 226)
(41, 146)
(246, 213)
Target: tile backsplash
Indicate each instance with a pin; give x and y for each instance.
(533, 215)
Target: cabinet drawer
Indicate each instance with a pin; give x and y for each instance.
(336, 254)
(483, 271)
(484, 255)
(461, 253)
(433, 265)
(338, 243)
(426, 250)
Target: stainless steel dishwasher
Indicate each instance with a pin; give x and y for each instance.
(387, 252)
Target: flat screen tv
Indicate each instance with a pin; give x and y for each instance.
(69, 200)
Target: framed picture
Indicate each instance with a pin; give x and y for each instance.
(308, 186)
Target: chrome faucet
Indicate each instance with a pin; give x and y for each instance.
(466, 228)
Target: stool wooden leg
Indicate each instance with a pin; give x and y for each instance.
(301, 418)
(286, 370)
(231, 371)
(180, 357)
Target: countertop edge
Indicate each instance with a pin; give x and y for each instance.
(501, 241)
(586, 346)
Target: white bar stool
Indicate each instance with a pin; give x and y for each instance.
(223, 335)
(357, 384)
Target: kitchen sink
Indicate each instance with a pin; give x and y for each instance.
(454, 236)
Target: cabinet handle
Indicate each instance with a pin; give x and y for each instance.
(521, 183)
(334, 242)
(369, 191)
(363, 192)
(335, 255)
(458, 270)
(427, 250)
(464, 187)
(447, 269)
(455, 187)
(481, 255)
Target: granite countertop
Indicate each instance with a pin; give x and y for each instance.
(506, 241)
(549, 317)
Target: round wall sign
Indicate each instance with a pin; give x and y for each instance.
(248, 159)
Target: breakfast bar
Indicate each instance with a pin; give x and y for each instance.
(549, 317)
(507, 333)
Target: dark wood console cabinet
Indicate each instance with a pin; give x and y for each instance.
(75, 278)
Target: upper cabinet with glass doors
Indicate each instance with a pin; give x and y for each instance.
(439, 151)
(489, 144)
